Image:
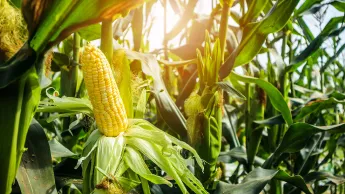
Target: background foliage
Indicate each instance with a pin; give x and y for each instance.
(255, 86)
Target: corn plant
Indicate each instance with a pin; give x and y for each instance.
(248, 98)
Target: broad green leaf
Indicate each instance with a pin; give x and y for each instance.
(317, 106)
(15, 67)
(322, 175)
(339, 5)
(255, 7)
(58, 150)
(296, 180)
(275, 96)
(257, 179)
(276, 120)
(145, 185)
(254, 35)
(65, 17)
(91, 32)
(308, 6)
(35, 174)
(65, 104)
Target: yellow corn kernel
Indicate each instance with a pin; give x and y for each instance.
(108, 107)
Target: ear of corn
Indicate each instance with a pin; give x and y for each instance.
(109, 110)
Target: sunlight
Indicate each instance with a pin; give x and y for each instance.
(156, 35)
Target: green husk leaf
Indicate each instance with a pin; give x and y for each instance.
(154, 153)
(134, 160)
(159, 134)
(109, 154)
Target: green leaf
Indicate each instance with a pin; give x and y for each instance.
(330, 30)
(155, 154)
(317, 106)
(58, 150)
(322, 175)
(331, 59)
(35, 174)
(229, 127)
(254, 35)
(339, 5)
(308, 6)
(158, 136)
(257, 179)
(91, 32)
(140, 168)
(255, 8)
(15, 67)
(65, 104)
(275, 96)
(70, 188)
(127, 184)
(65, 17)
(297, 137)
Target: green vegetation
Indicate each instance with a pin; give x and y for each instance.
(245, 99)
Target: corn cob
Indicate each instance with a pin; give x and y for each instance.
(108, 107)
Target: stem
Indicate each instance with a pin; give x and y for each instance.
(291, 54)
(283, 82)
(224, 25)
(69, 79)
(283, 76)
(248, 123)
(107, 39)
(321, 73)
(76, 47)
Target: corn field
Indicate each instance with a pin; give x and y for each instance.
(172, 96)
